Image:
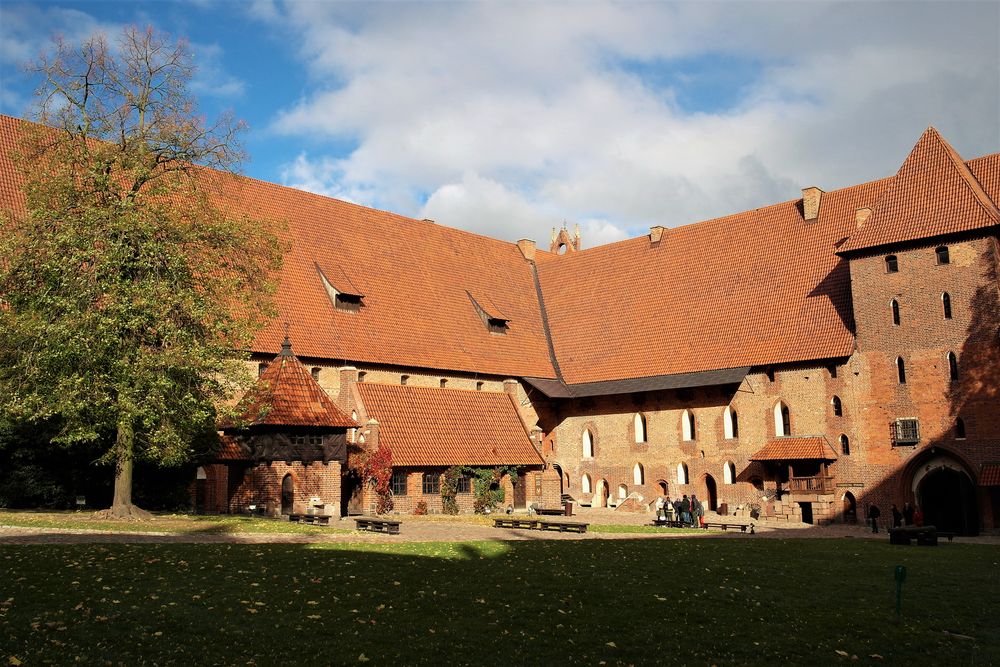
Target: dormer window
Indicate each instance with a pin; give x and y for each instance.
(350, 303)
(496, 325)
(346, 297)
(495, 321)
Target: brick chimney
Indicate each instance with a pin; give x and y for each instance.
(861, 215)
(527, 248)
(371, 435)
(348, 376)
(656, 233)
(810, 203)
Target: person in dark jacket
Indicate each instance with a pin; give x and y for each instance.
(685, 509)
(907, 514)
(897, 517)
(873, 514)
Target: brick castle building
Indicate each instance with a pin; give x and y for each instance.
(806, 359)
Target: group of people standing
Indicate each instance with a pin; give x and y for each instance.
(909, 516)
(687, 511)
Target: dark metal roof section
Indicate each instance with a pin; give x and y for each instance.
(557, 389)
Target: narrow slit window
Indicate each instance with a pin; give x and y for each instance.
(894, 305)
(901, 370)
(838, 407)
(845, 445)
(946, 305)
(960, 429)
(952, 366)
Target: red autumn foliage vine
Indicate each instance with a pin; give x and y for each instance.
(377, 471)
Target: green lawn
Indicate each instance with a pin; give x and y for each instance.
(697, 601)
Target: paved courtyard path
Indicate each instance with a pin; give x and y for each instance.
(439, 529)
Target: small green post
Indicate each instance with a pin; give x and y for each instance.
(900, 575)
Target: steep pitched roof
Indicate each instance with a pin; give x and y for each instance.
(796, 449)
(415, 278)
(426, 426)
(287, 395)
(934, 193)
(755, 288)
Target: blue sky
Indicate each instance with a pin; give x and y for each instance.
(510, 118)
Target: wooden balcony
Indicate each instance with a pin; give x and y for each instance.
(810, 485)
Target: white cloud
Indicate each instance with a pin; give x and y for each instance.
(508, 118)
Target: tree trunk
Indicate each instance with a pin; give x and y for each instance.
(121, 506)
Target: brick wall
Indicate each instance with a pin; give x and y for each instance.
(923, 339)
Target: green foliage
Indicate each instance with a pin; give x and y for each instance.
(126, 285)
(488, 494)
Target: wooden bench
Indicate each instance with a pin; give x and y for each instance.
(926, 536)
(726, 526)
(377, 525)
(514, 522)
(550, 511)
(564, 526)
(669, 523)
(315, 519)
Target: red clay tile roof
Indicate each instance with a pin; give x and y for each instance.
(795, 449)
(425, 426)
(760, 287)
(990, 475)
(415, 277)
(757, 288)
(934, 193)
(231, 450)
(287, 395)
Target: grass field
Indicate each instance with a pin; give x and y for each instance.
(685, 602)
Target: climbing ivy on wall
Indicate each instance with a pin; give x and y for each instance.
(377, 471)
(487, 492)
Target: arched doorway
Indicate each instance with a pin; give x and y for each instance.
(661, 486)
(947, 499)
(563, 479)
(850, 508)
(601, 494)
(711, 493)
(287, 494)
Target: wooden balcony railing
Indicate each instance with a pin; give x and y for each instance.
(816, 484)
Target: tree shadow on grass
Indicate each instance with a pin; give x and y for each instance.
(622, 601)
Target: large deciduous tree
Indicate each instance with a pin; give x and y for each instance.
(128, 283)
